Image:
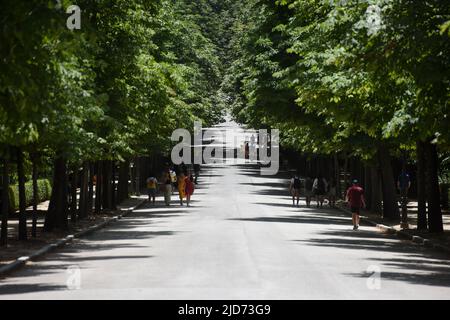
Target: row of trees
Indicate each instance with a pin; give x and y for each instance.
(87, 102)
(368, 79)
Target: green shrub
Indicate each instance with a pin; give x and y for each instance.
(44, 192)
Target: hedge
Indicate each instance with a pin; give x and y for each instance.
(44, 192)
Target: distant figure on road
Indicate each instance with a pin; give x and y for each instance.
(294, 188)
(403, 185)
(167, 187)
(184, 169)
(189, 188)
(181, 187)
(320, 187)
(152, 184)
(332, 192)
(247, 150)
(196, 172)
(309, 193)
(355, 198)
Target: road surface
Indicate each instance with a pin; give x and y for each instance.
(241, 239)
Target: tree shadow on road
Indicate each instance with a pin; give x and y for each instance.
(415, 264)
(272, 192)
(7, 289)
(278, 185)
(297, 219)
(101, 245)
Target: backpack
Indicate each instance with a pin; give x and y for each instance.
(297, 183)
(151, 183)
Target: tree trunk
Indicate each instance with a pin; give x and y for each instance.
(376, 193)
(330, 168)
(22, 197)
(346, 184)
(122, 188)
(432, 188)
(106, 185)
(90, 199)
(113, 186)
(98, 187)
(35, 197)
(368, 187)
(5, 202)
(56, 217)
(390, 203)
(138, 186)
(422, 223)
(73, 195)
(83, 191)
(337, 175)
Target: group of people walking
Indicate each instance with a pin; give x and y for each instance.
(320, 189)
(180, 178)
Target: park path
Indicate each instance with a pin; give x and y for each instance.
(241, 239)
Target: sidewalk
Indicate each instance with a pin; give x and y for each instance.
(18, 252)
(439, 241)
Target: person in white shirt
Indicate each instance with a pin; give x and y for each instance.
(320, 187)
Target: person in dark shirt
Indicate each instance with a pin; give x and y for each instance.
(403, 184)
(294, 188)
(196, 172)
(355, 198)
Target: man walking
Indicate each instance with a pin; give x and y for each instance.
(355, 198)
(403, 184)
(196, 172)
(294, 188)
(152, 184)
(309, 193)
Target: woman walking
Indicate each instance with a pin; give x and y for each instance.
(332, 193)
(167, 187)
(181, 187)
(189, 188)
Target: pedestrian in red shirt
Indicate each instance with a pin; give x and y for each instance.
(355, 198)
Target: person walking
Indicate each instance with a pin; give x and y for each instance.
(181, 187)
(173, 178)
(294, 189)
(309, 190)
(196, 172)
(184, 169)
(320, 186)
(332, 193)
(403, 185)
(167, 187)
(152, 184)
(189, 188)
(355, 199)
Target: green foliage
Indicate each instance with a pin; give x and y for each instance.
(334, 79)
(44, 192)
(115, 89)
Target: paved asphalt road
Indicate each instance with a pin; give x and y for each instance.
(241, 239)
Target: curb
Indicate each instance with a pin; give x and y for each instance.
(21, 261)
(402, 234)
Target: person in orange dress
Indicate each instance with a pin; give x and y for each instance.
(189, 189)
(182, 187)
